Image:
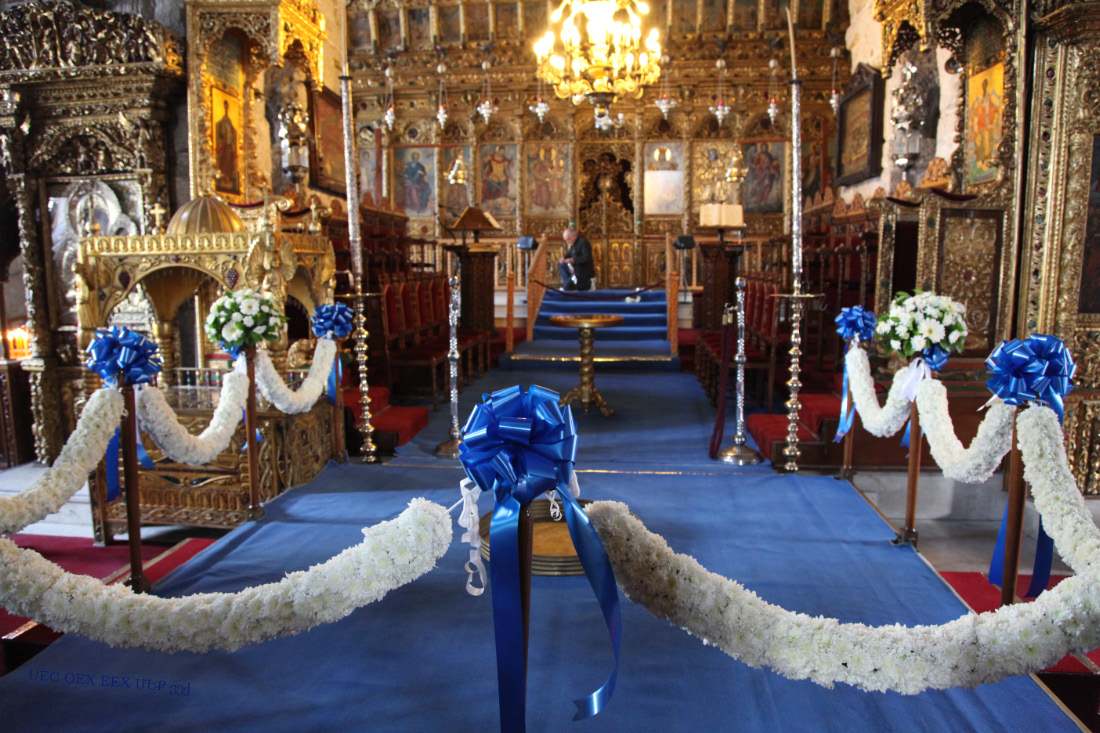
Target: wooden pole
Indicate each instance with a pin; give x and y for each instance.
(846, 471)
(128, 435)
(916, 442)
(526, 553)
(255, 511)
(509, 336)
(1017, 491)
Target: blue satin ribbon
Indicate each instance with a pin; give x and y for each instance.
(1038, 369)
(851, 322)
(120, 351)
(332, 321)
(233, 351)
(259, 438)
(111, 461)
(335, 377)
(935, 357)
(520, 445)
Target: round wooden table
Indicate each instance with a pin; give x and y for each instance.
(586, 324)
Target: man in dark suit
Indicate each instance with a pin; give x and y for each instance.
(576, 268)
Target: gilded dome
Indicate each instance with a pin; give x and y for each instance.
(204, 215)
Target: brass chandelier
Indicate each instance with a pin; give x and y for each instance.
(595, 51)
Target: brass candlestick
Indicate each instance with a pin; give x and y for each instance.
(369, 453)
(449, 448)
(740, 454)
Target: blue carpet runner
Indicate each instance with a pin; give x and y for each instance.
(422, 659)
(645, 320)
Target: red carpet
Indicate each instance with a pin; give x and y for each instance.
(112, 564)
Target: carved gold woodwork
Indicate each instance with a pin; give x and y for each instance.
(1065, 117)
(82, 94)
(964, 252)
(274, 30)
(904, 22)
(295, 448)
(109, 268)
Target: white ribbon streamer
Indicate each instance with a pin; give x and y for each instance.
(468, 519)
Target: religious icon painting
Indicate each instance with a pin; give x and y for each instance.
(984, 123)
(813, 167)
(327, 169)
(1089, 298)
(664, 179)
(368, 173)
(505, 21)
(658, 18)
(499, 179)
(359, 35)
(450, 23)
(535, 20)
(477, 21)
(810, 15)
(762, 189)
(456, 196)
(420, 28)
(414, 180)
(548, 176)
(714, 16)
(745, 15)
(683, 17)
(859, 128)
(226, 127)
(389, 29)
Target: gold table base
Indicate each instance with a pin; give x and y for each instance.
(586, 391)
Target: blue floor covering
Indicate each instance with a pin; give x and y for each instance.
(422, 659)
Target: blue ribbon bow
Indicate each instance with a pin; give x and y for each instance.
(935, 357)
(852, 322)
(1038, 369)
(122, 351)
(332, 321)
(520, 445)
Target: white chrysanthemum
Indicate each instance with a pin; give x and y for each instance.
(955, 336)
(237, 317)
(895, 344)
(919, 342)
(232, 332)
(883, 327)
(938, 332)
(249, 321)
(250, 306)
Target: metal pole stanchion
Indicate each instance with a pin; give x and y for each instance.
(739, 454)
(449, 447)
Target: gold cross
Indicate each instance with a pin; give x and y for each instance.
(158, 213)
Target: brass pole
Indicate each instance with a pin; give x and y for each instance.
(916, 443)
(138, 582)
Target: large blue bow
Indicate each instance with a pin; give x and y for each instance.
(852, 322)
(1038, 369)
(856, 321)
(122, 351)
(520, 445)
(332, 321)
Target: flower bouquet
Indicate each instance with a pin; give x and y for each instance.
(243, 318)
(924, 324)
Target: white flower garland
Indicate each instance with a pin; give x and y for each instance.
(881, 421)
(969, 465)
(966, 652)
(162, 425)
(302, 399)
(82, 452)
(391, 555)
